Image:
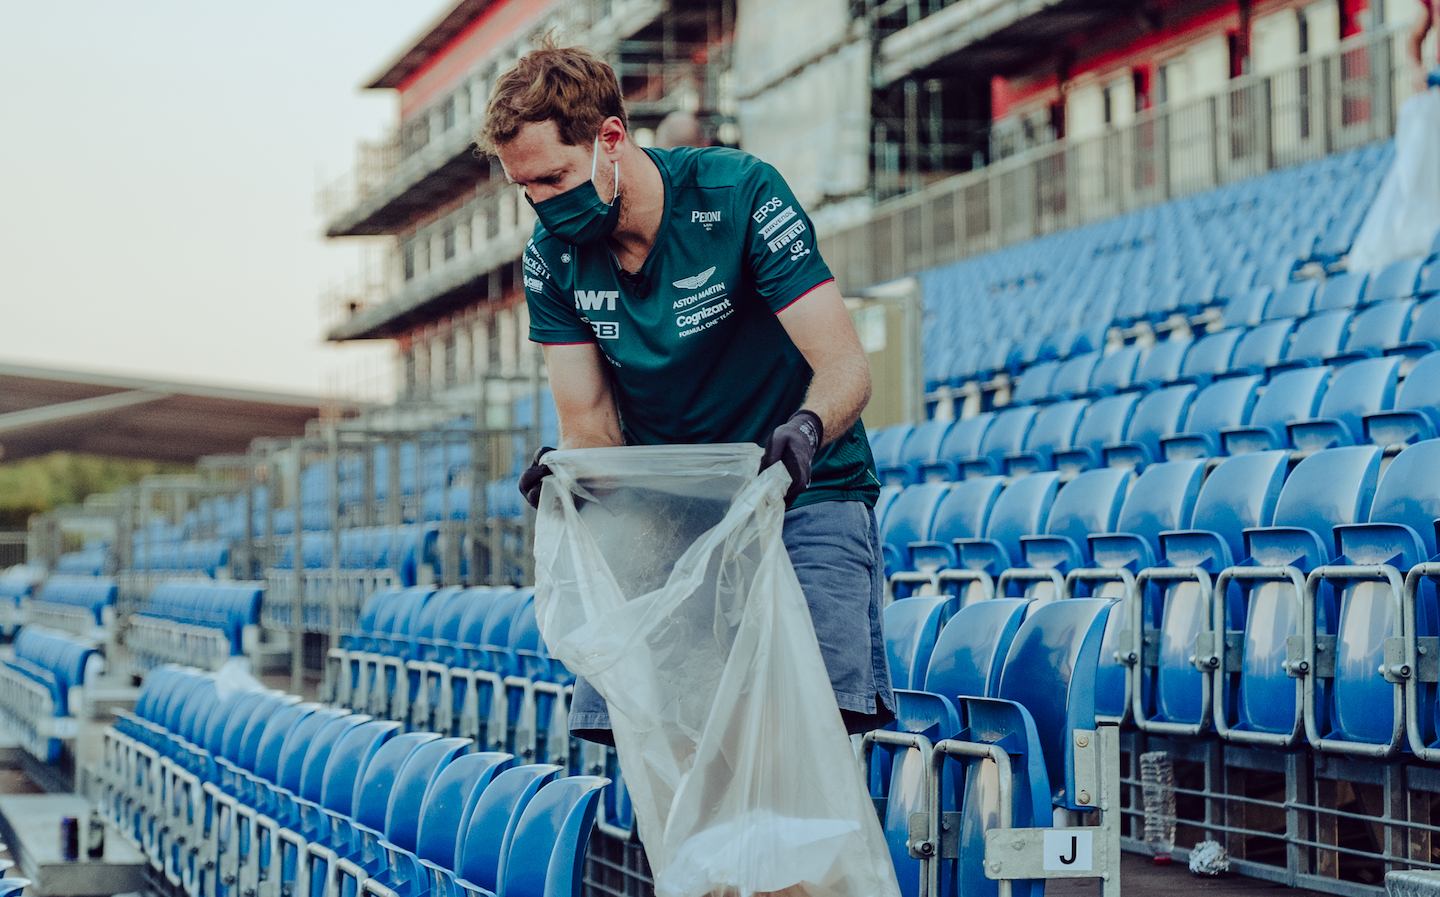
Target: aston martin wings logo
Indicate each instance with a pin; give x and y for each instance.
(696, 282)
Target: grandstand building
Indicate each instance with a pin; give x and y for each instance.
(1169, 512)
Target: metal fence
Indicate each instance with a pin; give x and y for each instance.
(1323, 104)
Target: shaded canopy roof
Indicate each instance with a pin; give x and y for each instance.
(44, 410)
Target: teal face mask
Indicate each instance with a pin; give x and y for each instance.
(578, 216)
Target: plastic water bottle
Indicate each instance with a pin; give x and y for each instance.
(1157, 782)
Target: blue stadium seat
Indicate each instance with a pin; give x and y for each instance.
(1072, 378)
(909, 519)
(1210, 356)
(1159, 414)
(1053, 431)
(1021, 509)
(1292, 395)
(1416, 412)
(1161, 499)
(1423, 335)
(920, 448)
(1362, 710)
(885, 444)
(1429, 284)
(969, 654)
(1262, 703)
(1050, 671)
(961, 443)
(1260, 349)
(1376, 329)
(1248, 308)
(1034, 383)
(1356, 390)
(911, 627)
(1104, 423)
(1088, 504)
(1224, 404)
(487, 837)
(1240, 493)
(1316, 339)
(547, 852)
(1396, 280)
(1006, 435)
(1163, 362)
(887, 497)
(1115, 372)
(1295, 301)
(964, 513)
(1343, 291)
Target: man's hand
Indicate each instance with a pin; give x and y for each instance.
(794, 444)
(532, 479)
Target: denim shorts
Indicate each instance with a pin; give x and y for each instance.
(835, 549)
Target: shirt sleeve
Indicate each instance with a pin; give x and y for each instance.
(780, 246)
(553, 321)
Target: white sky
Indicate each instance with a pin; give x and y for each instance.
(158, 166)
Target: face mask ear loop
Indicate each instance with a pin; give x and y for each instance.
(594, 159)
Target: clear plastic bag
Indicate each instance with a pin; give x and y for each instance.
(662, 577)
(1403, 219)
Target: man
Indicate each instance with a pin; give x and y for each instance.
(680, 299)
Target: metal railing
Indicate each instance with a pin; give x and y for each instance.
(1323, 104)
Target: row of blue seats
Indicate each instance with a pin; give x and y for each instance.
(1144, 266)
(198, 622)
(208, 556)
(40, 688)
(1248, 534)
(403, 549)
(254, 790)
(91, 596)
(90, 561)
(1262, 331)
(466, 662)
(1305, 409)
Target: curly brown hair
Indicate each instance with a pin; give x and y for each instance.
(570, 86)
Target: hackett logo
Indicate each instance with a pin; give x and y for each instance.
(595, 300)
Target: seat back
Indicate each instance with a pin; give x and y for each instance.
(1379, 327)
(290, 763)
(911, 627)
(1295, 300)
(1090, 503)
(1050, 671)
(1163, 498)
(1261, 347)
(1115, 371)
(1158, 414)
(486, 839)
(406, 800)
(1355, 391)
(1073, 376)
(1400, 533)
(962, 442)
(1211, 355)
(349, 760)
(1164, 361)
(1293, 395)
(1034, 384)
(1318, 337)
(548, 848)
(451, 799)
(1104, 423)
(1396, 280)
(1022, 508)
(909, 519)
(970, 652)
(1005, 436)
(1343, 291)
(1222, 405)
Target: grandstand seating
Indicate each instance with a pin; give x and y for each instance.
(466, 662)
(83, 605)
(256, 791)
(42, 687)
(197, 623)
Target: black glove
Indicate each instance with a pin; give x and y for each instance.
(531, 479)
(794, 444)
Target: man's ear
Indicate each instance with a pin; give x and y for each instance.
(612, 136)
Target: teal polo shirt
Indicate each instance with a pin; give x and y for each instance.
(696, 353)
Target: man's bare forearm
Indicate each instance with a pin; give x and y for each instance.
(838, 395)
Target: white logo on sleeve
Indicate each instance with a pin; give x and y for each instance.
(696, 282)
(594, 300)
(776, 223)
(706, 219)
(787, 236)
(765, 209)
(606, 329)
